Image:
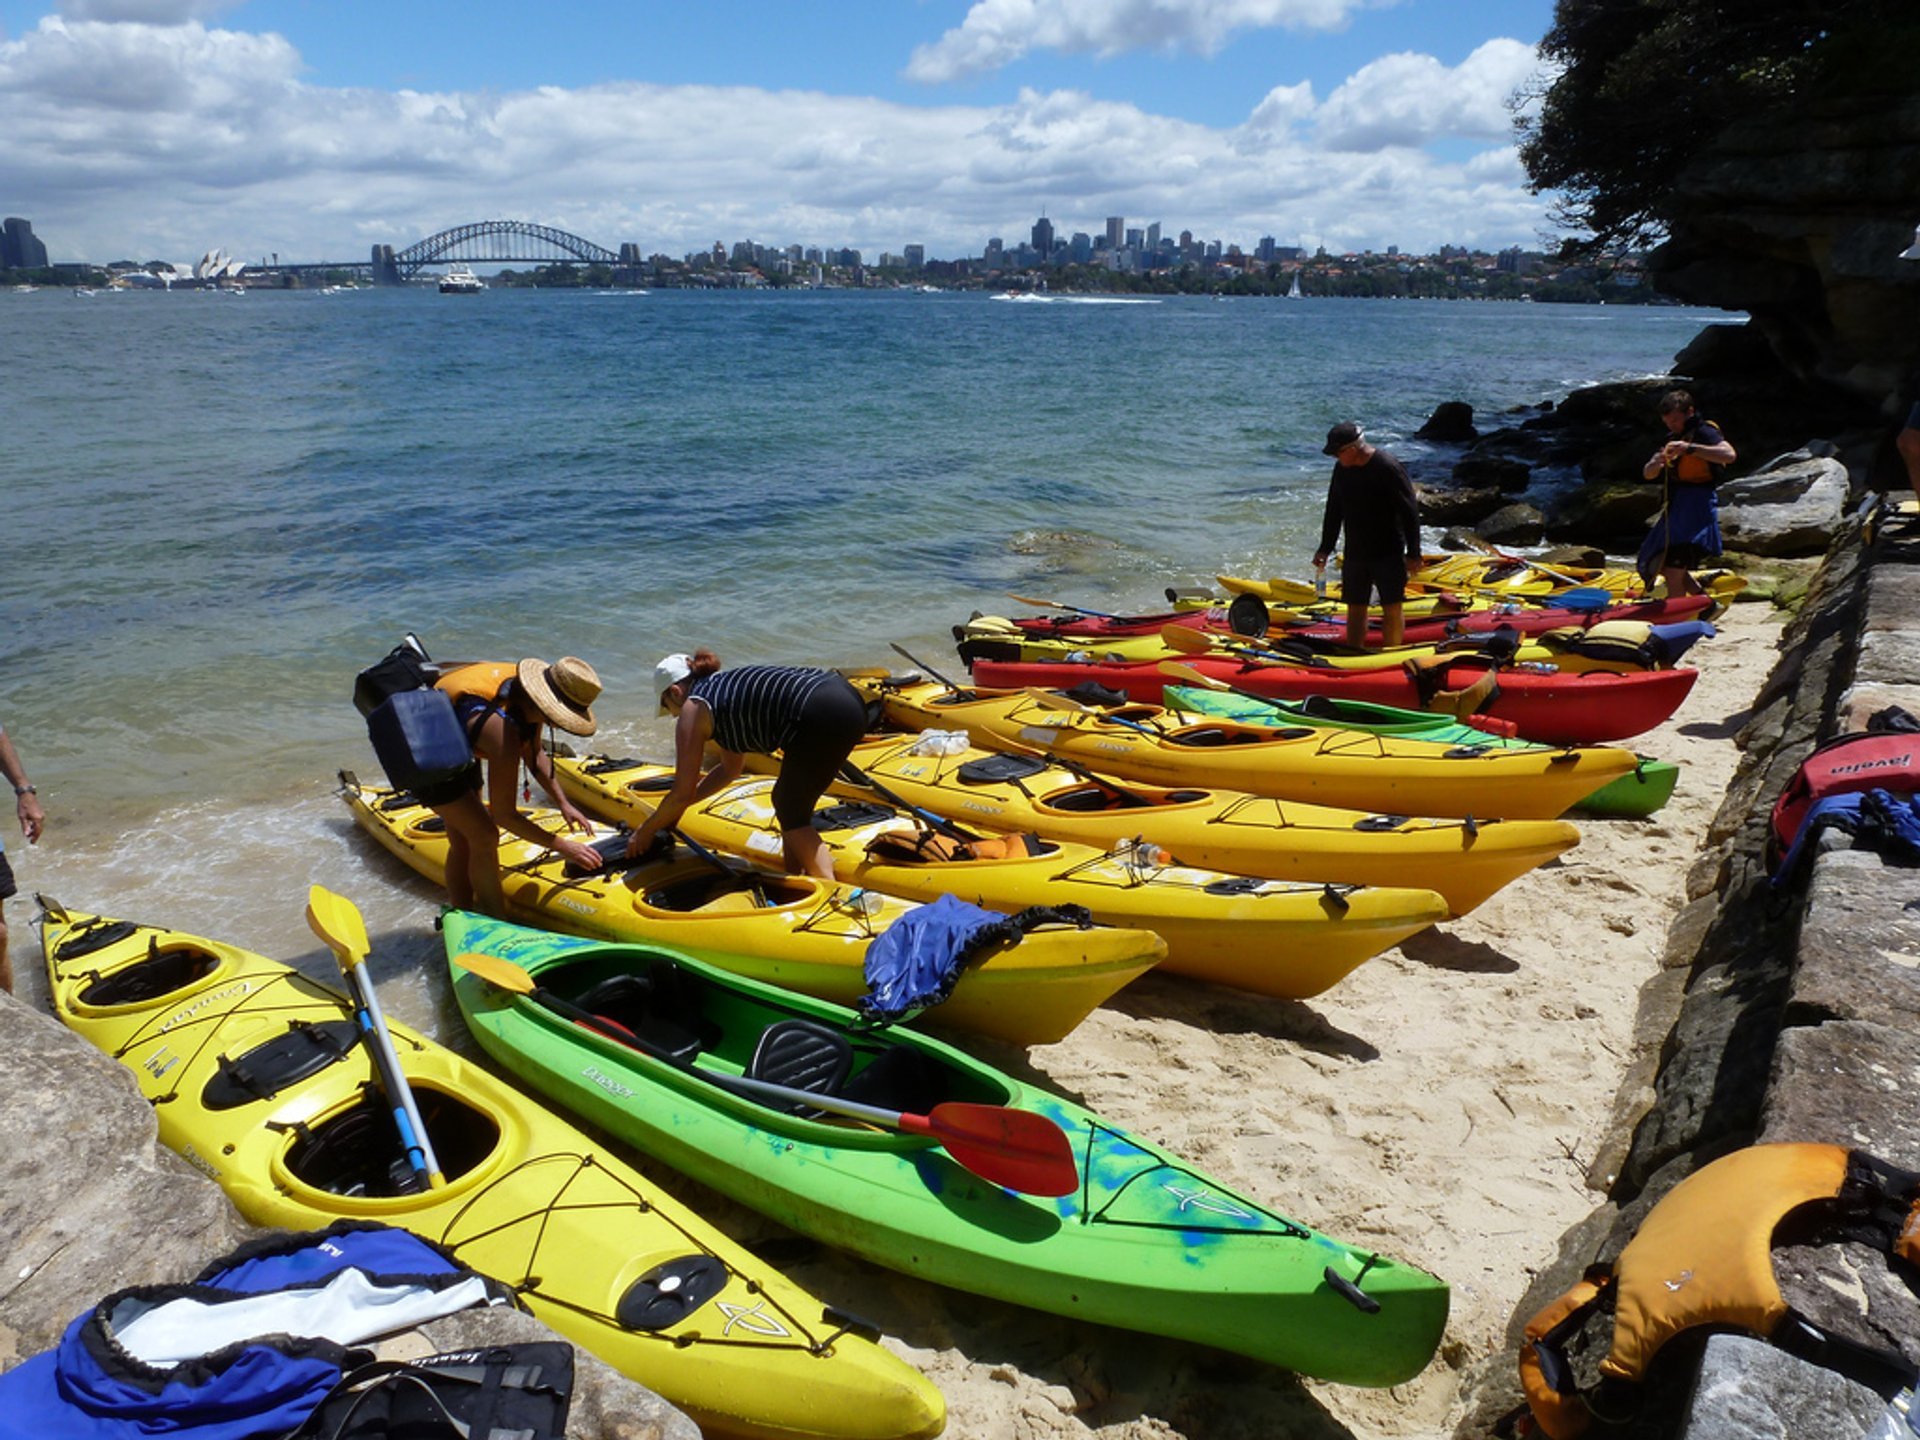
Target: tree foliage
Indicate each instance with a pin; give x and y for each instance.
(1643, 84)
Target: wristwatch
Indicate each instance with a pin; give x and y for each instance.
(26, 790)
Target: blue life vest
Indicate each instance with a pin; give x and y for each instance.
(916, 961)
(90, 1387)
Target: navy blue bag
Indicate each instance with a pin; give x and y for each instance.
(419, 744)
(916, 961)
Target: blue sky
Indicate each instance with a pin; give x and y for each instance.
(168, 126)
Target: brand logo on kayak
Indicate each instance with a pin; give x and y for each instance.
(607, 1083)
(578, 907)
(1205, 1200)
(753, 1319)
(1896, 762)
(159, 1063)
(213, 997)
(201, 1163)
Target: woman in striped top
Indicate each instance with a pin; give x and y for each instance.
(812, 717)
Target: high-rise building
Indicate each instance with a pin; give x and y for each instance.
(1080, 248)
(1264, 252)
(20, 249)
(1136, 239)
(1043, 236)
(1116, 231)
(1153, 236)
(916, 257)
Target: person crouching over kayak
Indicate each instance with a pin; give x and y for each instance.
(813, 717)
(501, 708)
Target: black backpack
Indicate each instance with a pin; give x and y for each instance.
(504, 1392)
(412, 726)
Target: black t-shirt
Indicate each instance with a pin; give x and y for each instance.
(1374, 501)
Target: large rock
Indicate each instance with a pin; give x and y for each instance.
(1748, 1388)
(1502, 472)
(1798, 217)
(1614, 516)
(1792, 506)
(1450, 423)
(90, 1203)
(1455, 507)
(1512, 525)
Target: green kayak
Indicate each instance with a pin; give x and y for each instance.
(1140, 1240)
(1632, 796)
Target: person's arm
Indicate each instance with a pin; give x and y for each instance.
(1711, 446)
(26, 798)
(1330, 519)
(690, 734)
(541, 766)
(502, 754)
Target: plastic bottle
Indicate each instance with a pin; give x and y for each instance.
(1899, 1421)
(1319, 579)
(860, 901)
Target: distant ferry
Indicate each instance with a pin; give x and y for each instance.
(459, 280)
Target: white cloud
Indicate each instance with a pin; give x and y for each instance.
(998, 32)
(1412, 99)
(141, 141)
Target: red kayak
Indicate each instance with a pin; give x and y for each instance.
(1526, 619)
(1552, 708)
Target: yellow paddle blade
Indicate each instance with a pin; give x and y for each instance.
(502, 974)
(1179, 671)
(335, 920)
(1186, 639)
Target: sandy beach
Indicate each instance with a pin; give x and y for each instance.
(1444, 1103)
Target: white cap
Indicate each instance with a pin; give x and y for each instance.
(669, 673)
(1912, 252)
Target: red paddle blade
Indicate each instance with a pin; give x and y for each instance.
(1014, 1148)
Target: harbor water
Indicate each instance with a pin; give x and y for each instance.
(219, 507)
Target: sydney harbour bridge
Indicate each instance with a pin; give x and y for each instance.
(484, 242)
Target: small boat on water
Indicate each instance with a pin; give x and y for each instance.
(459, 280)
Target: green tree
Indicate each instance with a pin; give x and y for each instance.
(1643, 84)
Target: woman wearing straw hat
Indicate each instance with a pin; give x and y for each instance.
(812, 717)
(501, 707)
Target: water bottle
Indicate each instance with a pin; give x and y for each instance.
(861, 901)
(1899, 1421)
(1319, 580)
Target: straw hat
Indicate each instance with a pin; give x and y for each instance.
(562, 692)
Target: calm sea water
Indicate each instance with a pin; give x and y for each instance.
(218, 508)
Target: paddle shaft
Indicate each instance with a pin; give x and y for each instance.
(1030, 1154)
(928, 668)
(393, 1080)
(939, 822)
(1058, 605)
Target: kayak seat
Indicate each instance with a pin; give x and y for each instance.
(801, 1055)
(900, 1078)
(662, 1009)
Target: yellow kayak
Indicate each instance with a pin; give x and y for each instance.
(1486, 573)
(1464, 860)
(790, 930)
(1278, 937)
(1356, 769)
(257, 1079)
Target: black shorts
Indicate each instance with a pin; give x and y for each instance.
(445, 792)
(1387, 578)
(8, 889)
(829, 726)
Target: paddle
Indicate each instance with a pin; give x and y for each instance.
(1062, 605)
(1194, 642)
(1176, 670)
(1068, 703)
(1580, 598)
(335, 920)
(1016, 1149)
(939, 822)
(1486, 549)
(901, 649)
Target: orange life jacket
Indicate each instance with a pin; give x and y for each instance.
(1703, 1256)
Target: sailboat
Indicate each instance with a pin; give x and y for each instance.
(1294, 293)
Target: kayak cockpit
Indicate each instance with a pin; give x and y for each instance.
(356, 1150)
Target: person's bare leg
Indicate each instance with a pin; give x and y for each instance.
(1356, 623)
(1393, 623)
(473, 857)
(6, 960)
(806, 853)
(1680, 582)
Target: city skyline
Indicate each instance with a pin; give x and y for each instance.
(157, 129)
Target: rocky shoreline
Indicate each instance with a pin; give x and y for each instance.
(1779, 1015)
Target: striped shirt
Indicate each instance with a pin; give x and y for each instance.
(756, 708)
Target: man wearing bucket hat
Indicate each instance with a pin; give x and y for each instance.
(1371, 495)
(501, 708)
(813, 718)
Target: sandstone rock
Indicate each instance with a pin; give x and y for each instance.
(1570, 557)
(1450, 423)
(1512, 525)
(1859, 945)
(1723, 350)
(1793, 506)
(1502, 473)
(1455, 507)
(1749, 1388)
(90, 1203)
(1847, 1082)
(1458, 538)
(1615, 515)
